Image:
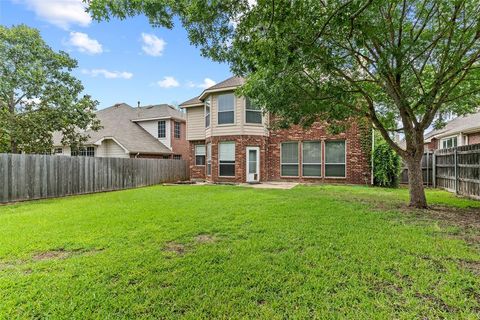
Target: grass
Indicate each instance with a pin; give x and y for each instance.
(233, 252)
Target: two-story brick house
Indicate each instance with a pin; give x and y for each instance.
(232, 140)
(154, 131)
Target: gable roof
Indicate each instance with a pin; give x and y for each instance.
(228, 84)
(192, 102)
(468, 123)
(117, 123)
(158, 111)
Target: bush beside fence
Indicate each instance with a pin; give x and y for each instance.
(26, 177)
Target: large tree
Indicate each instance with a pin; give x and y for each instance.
(403, 64)
(38, 94)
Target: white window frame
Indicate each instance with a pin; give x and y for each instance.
(58, 151)
(198, 154)
(177, 157)
(252, 110)
(208, 152)
(233, 110)
(312, 163)
(177, 128)
(86, 151)
(326, 163)
(234, 161)
(207, 106)
(288, 163)
(164, 129)
(448, 138)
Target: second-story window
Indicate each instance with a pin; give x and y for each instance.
(207, 113)
(162, 129)
(226, 108)
(253, 112)
(176, 130)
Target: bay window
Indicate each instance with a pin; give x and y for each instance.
(253, 112)
(226, 108)
(209, 159)
(226, 158)
(207, 112)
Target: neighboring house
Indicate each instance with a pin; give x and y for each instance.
(460, 131)
(156, 131)
(231, 141)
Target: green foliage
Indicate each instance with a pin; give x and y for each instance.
(402, 64)
(386, 166)
(305, 253)
(38, 95)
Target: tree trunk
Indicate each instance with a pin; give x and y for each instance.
(415, 181)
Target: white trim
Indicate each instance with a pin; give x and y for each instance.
(448, 138)
(298, 162)
(234, 157)
(234, 110)
(247, 167)
(345, 163)
(159, 118)
(207, 91)
(99, 142)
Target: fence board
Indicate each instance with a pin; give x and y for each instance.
(456, 170)
(24, 177)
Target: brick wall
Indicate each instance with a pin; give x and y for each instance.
(180, 146)
(241, 143)
(357, 169)
(196, 172)
(474, 138)
(432, 145)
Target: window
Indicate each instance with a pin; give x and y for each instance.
(207, 113)
(226, 106)
(253, 113)
(177, 157)
(200, 155)
(177, 130)
(84, 152)
(226, 157)
(335, 159)
(165, 157)
(58, 151)
(209, 159)
(161, 129)
(312, 159)
(450, 142)
(289, 159)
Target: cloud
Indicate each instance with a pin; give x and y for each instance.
(84, 43)
(62, 13)
(152, 45)
(207, 82)
(108, 74)
(168, 82)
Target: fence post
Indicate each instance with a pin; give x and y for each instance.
(428, 159)
(434, 169)
(456, 171)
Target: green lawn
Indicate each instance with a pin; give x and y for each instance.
(236, 252)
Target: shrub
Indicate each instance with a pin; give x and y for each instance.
(386, 166)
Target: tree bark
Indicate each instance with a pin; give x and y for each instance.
(415, 181)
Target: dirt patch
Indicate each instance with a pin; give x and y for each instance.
(205, 238)
(473, 266)
(175, 247)
(62, 254)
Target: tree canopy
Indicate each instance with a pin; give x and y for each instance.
(403, 64)
(38, 94)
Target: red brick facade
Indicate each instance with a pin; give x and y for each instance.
(180, 146)
(474, 138)
(357, 168)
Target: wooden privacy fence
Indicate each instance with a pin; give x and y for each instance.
(455, 169)
(25, 177)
